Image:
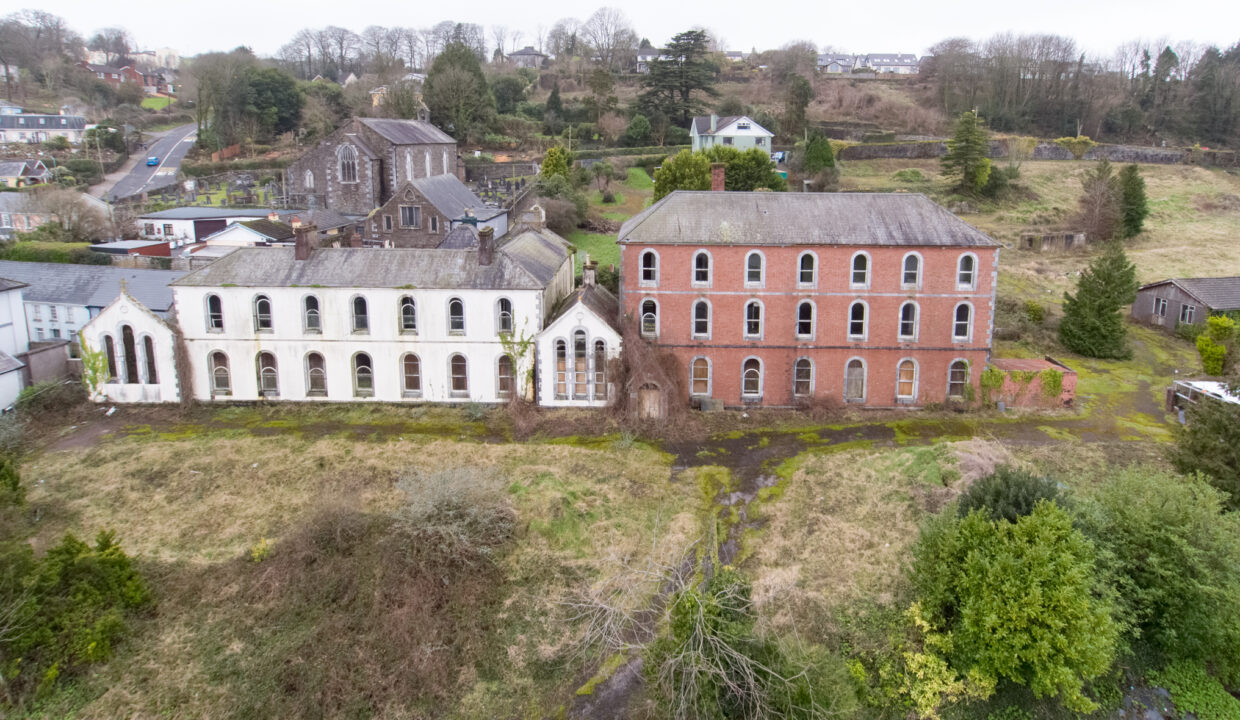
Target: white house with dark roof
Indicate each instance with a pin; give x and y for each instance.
(383, 324)
(36, 127)
(140, 350)
(579, 343)
(14, 341)
(739, 131)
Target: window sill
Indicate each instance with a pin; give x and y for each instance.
(457, 333)
(360, 332)
(856, 338)
(700, 285)
(751, 398)
(409, 333)
(805, 338)
(854, 286)
(411, 394)
(459, 394)
(312, 331)
(807, 286)
(316, 393)
(221, 393)
(907, 339)
(854, 400)
(363, 393)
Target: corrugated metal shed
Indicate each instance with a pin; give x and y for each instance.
(407, 132)
(91, 285)
(774, 218)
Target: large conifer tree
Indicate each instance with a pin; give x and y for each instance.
(967, 159)
(1092, 325)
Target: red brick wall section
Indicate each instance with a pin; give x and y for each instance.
(830, 348)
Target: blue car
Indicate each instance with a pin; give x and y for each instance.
(152, 161)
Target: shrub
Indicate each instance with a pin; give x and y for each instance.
(1008, 494)
(53, 396)
(1215, 344)
(1174, 558)
(1212, 354)
(12, 435)
(1195, 691)
(609, 197)
(1034, 312)
(56, 142)
(11, 490)
(1210, 444)
(1078, 145)
(909, 175)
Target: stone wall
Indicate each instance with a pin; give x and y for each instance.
(922, 150)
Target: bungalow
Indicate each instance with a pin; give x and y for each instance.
(528, 57)
(739, 131)
(1187, 301)
(836, 63)
(35, 128)
(18, 213)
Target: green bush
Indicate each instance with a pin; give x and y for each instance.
(1189, 331)
(11, 490)
(1195, 691)
(1034, 312)
(909, 175)
(39, 251)
(67, 610)
(1008, 493)
(1213, 354)
(1078, 145)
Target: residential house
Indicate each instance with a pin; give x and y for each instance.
(782, 299)
(194, 224)
(254, 233)
(891, 63)
(528, 57)
(423, 211)
(836, 63)
(36, 128)
(124, 248)
(8, 108)
(14, 341)
(739, 131)
(61, 298)
(1186, 301)
(112, 75)
(358, 167)
(348, 324)
(140, 349)
(574, 351)
(19, 213)
(20, 173)
(378, 95)
(645, 57)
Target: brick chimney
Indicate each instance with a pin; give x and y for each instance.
(302, 242)
(355, 240)
(295, 222)
(716, 176)
(273, 216)
(486, 245)
(589, 270)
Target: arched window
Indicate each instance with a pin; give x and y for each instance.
(650, 319)
(148, 347)
(650, 267)
(408, 316)
(445, 162)
(109, 348)
(308, 180)
(361, 315)
(427, 163)
(311, 317)
(908, 321)
(221, 383)
(561, 369)
(807, 272)
(581, 360)
(363, 376)
(411, 374)
(962, 327)
(701, 319)
(957, 379)
(268, 377)
(262, 313)
(854, 381)
(860, 277)
(130, 351)
(755, 269)
(409, 164)
(701, 268)
(215, 314)
(503, 317)
(751, 378)
(348, 163)
(699, 377)
(906, 380)
(600, 370)
(805, 320)
(456, 317)
(505, 382)
(459, 373)
(911, 277)
(803, 377)
(753, 319)
(966, 272)
(856, 321)
(316, 375)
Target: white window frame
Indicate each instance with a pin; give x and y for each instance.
(852, 271)
(813, 282)
(358, 390)
(972, 284)
(865, 321)
(916, 381)
(813, 320)
(710, 377)
(464, 327)
(499, 317)
(904, 284)
(761, 281)
(641, 268)
(206, 302)
(641, 319)
(967, 379)
(693, 331)
(258, 316)
(305, 315)
(305, 364)
(710, 270)
(865, 380)
(1160, 307)
(1189, 312)
(812, 374)
(900, 335)
(968, 337)
(404, 375)
(354, 328)
(761, 320)
(400, 315)
(452, 391)
(761, 379)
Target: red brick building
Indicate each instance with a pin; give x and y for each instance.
(778, 299)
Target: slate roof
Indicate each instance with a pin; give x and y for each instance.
(16, 202)
(781, 218)
(90, 285)
(30, 121)
(273, 230)
(204, 213)
(452, 197)
(12, 169)
(8, 363)
(1217, 293)
(321, 219)
(527, 262)
(407, 132)
(527, 50)
(7, 284)
(461, 237)
(702, 123)
(598, 299)
(122, 247)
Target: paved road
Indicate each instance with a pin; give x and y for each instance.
(171, 150)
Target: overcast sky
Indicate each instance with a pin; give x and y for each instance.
(909, 26)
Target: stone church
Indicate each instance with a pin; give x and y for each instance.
(357, 168)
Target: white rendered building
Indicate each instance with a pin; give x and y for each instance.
(383, 324)
(13, 341)
(140, 351)
(576, 347)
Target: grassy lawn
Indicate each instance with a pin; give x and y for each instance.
(157, 103)
(599, 247)
(631, 197)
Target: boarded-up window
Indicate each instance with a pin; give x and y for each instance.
(803, 377)
(316, 375)
(957, 379)
(581, 377)
(906, 380)
(854, 381)
(700, 377)
(561, 369)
